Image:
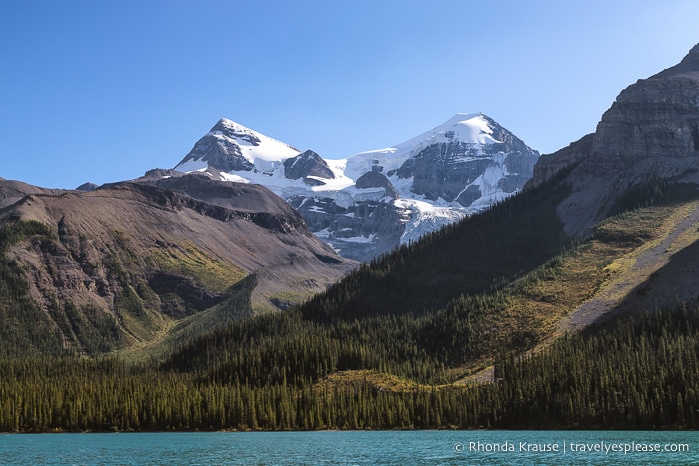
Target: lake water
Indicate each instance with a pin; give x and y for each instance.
(353, 448)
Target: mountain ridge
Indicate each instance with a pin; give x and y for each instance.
(651, 131)
(459, 167)
(123, 262)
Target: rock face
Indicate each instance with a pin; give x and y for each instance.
(259, 204)
(230, 147)
(550, 165)
(12, 191)
(371, 202)
(216, 149)
(450, 169)
(306, 165)
(360, 230)
(375, 179)
(651, 131)
(87, 187)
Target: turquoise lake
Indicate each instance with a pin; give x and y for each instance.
(354, 448)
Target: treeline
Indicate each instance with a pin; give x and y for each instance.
(641, 372)
(638, 373)
(419, 315)
(287, 347)
(108, 395)
(429, 277)
(652, 190)
(479, 254)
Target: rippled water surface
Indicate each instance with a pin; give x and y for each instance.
(359, 448)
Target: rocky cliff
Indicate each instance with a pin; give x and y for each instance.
(464, 171)
(651, 131)
(308, 166)
(549, 165)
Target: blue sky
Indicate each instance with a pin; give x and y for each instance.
(104, 90)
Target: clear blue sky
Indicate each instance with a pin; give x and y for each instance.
(104, 90)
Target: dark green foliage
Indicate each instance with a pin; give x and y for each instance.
(276, 347)
(97, 332)
(653, 190)
(478, 254)
(638, 373)
(418, 315)
(389, 316)
(236, 306)
(24, 327)
(15, 232)
(130, 302)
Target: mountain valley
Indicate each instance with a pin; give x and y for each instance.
(211, 304)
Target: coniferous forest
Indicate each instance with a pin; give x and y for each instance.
(638, 373)
(393, 344)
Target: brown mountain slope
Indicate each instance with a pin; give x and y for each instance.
(124, 262)
(12, 191)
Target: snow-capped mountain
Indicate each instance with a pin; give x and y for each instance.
(369, 203)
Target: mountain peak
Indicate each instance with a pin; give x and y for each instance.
(368, 203)
(225, 124)
(88, 186)
(464, 117)
(229, 128)
(693, 52)
(688, 67)
(692, 58)
(472, 127)
(230, 146)
(650, 133)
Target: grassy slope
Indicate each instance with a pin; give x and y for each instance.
(236, 306)
(124, 265)
(541, 305)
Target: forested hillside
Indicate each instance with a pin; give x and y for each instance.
(383, 349)
(639, 373)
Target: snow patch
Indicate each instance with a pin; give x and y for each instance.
(419, 214)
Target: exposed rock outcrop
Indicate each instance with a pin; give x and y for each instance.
(460, 167)
(651, 131)
(376, 179)
(549, 165)
(305, 165)
(464, 171)
(360, 230)
(87, 187)
(12, 191)
(218, 150)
